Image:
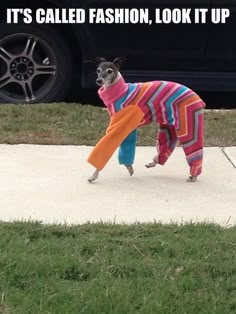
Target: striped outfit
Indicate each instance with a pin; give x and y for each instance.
(176, 108)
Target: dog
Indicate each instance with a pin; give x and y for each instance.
(176, 108)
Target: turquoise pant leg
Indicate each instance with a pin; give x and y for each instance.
(127, 149)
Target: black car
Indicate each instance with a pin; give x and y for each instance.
(39, 61)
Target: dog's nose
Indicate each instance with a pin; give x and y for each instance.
(99, 81)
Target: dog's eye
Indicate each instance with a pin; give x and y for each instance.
(109, 71)
(98, 71)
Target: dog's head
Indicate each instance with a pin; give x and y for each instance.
(107, 71)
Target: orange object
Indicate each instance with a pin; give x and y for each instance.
(121, 125)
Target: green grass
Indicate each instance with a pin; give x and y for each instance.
(75, 124)
(101, 268)
(51, 124)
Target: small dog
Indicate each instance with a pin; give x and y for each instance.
(176, 108)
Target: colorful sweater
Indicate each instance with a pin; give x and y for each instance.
(156, 99)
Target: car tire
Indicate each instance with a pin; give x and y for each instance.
(35, 64)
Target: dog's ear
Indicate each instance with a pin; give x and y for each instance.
(119, 61)
(99, 60)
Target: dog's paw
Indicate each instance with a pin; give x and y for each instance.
(130, 169)
(151, 164)
(192, 179)
(93, 177)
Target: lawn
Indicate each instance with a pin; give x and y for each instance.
(74, 124)
(102, 268)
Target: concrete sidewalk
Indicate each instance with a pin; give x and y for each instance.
(49, 183)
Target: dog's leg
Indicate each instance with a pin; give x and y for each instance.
(94, 176)
(190, 135)
(151, 164)
(166, 143)
(192, 179)
(130, 169)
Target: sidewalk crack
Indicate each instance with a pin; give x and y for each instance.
(228, 157)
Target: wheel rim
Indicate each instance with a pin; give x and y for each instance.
(28, 68)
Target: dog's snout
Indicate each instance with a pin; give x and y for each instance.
(99, 81)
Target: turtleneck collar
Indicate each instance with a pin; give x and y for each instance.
(113, 92)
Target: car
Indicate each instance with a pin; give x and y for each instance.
(40, 60)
